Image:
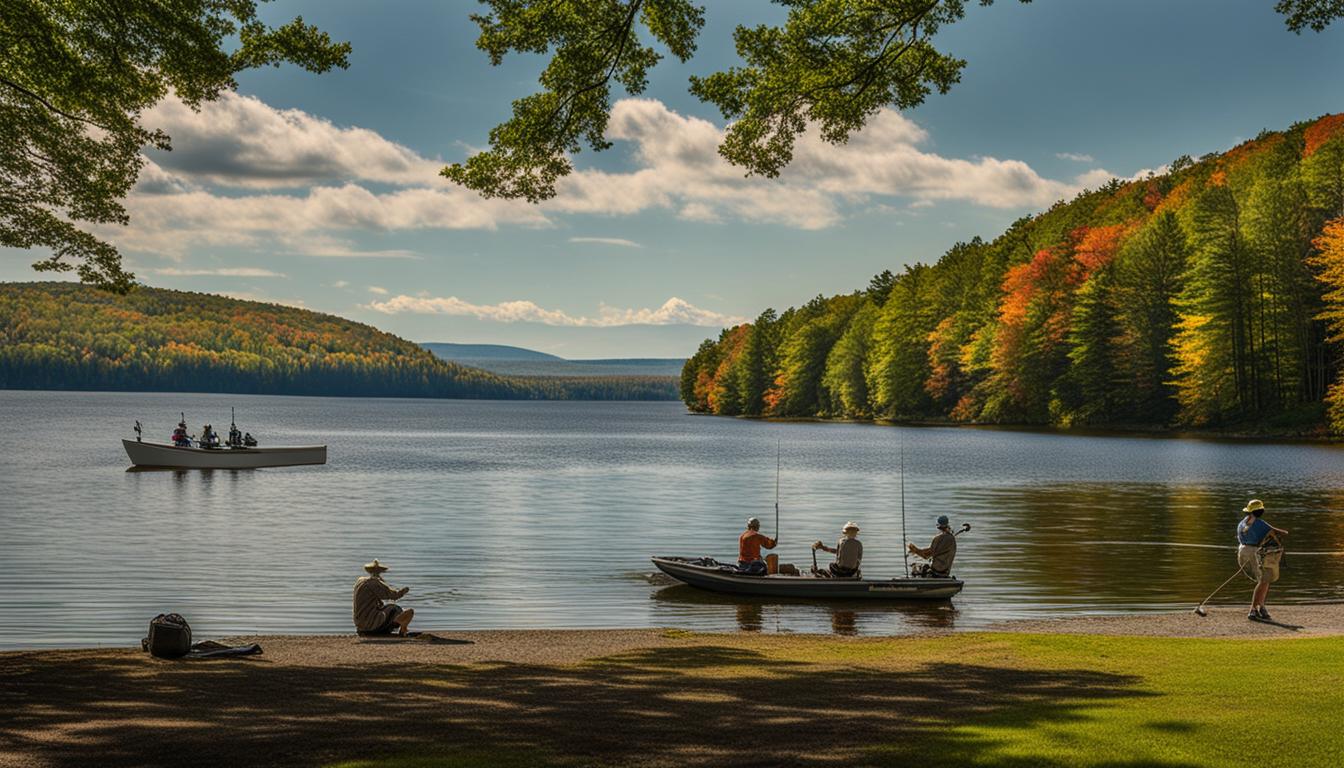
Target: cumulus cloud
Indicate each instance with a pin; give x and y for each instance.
(674, 311)
(222, 272)
(607, 241)
(244, 173)
(242, 141)
(381, 291)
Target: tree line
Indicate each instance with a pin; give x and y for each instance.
(1211, 295)
(71, 336)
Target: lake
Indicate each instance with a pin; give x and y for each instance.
(544, 514)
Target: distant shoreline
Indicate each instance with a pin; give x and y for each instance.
(1150, 431)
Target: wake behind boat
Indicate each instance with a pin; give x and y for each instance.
(239, 451)
(709, 574)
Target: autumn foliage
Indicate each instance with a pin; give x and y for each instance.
(1201, 296)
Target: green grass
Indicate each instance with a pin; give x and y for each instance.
(1193, 702)
(968, 699)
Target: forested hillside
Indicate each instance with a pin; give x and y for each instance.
(1212, 295)
(71, 336)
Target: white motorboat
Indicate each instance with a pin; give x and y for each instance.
(167, 455)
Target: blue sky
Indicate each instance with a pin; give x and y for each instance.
(321, 190)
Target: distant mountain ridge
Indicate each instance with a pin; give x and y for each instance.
(75, 337)
(519, 361)
(451, 351)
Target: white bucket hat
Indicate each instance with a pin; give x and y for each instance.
(850, 526)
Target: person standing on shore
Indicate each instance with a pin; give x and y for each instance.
(1252, 533)
(372, 616)
(749, 546)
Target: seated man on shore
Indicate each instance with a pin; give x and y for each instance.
(941, 551)
(749, 546)
(848, 553)
(372, 615)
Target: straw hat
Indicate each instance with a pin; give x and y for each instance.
(850, 526)
(1254, 505)
(375, 566)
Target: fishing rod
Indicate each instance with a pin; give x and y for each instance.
(776, 492)
(905, 551)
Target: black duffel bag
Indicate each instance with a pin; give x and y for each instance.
(169, 636)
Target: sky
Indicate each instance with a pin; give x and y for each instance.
(322, 191)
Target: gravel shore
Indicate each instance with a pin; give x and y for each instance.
(1323, 619)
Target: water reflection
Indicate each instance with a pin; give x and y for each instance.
(842, 617)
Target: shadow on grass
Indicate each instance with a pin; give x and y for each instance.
(699, 706)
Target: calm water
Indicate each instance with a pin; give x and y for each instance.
(544, 515)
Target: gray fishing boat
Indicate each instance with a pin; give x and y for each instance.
(208, 451)
(709, 574)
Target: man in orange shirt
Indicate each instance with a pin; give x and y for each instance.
(749, 547)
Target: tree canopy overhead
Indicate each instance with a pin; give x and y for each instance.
(832, 63)
(74, 80)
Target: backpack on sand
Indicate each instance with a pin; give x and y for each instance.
(169, 636)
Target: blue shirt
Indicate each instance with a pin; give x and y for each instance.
(1254, 533)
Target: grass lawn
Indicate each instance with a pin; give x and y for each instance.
(691, 700)
(975, 699)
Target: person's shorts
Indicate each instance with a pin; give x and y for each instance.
(1263, 570)
(390, 614)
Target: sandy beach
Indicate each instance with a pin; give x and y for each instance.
(614, 697)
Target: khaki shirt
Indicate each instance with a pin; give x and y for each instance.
(848, 553)
(944, 550)
(370, 592)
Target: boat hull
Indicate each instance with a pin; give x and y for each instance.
(810, 587)
(164, 455)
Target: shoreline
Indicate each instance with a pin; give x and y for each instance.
(1318, 436)
(1323, 619)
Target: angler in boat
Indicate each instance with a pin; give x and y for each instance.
(749, 546)
(180, 437)
(941, 551)
(848, 553)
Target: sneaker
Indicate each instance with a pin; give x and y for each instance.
(1253, 616)
(1263, 613)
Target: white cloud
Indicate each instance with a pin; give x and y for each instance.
(674, 311)
(607, 241)
(381, 291)
(222, 272)
(1076, 157)
(242, 141)
(341, 284)
(245, 174)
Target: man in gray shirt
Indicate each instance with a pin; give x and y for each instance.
(848, 553)
(372, 615)
(941, 551)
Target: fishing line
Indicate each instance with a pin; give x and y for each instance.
(1294, 553)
